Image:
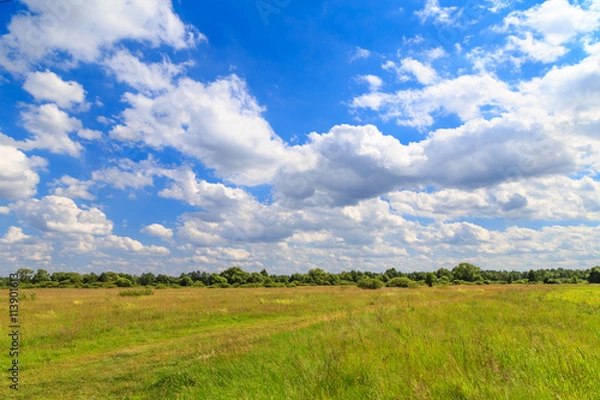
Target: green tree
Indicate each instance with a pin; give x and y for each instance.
(25, 275)
(147, 279)
(444, 272)
(41, 276)
(216, 279)
(594, 276)
(466, 272)
(431, 279)
(185, 281)
(90, 278)
(235, 275)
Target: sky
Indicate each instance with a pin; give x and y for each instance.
(168, 137)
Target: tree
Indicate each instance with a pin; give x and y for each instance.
(466, 272)
(147, 279)
(90, 278)
(594, 276)
(25, 275)
(41, 276)
(216, 279)
(235, 275)
(444, 272)
(186, 281)
(431, 279)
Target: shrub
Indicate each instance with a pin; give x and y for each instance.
(370, 283)
(160, 286)
(123, 282)
(402, 282)
(137, 292)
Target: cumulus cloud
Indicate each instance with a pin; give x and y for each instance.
(373, 81)
(89, 134)
(47, 86)
(14, 235)
(543, 32)
(50, 127)
(18, 176)
(157, 230)
(83, 29)
(360, 53)
(440, 15)
(73, 188)
(55, 214)
(219, 123)
(144, 77)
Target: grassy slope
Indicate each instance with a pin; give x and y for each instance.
(511, 342)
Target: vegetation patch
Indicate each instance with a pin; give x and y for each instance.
(137, 292)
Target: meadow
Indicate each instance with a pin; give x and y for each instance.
(456, 342)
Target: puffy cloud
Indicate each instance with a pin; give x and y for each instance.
(50, 127)
(55, 214)
(424, 74)
(541, 33)
(47, 86)
(68, 186)
(4, 210)
(89, 134)
(14, 235)
(47, 28)
(552, 198)
(129, 174)
(141, 76)
(464, 96)
(360, 53)
(440, 15)
(373, 81)
(219, 123)
(18, 178)
(157, 230)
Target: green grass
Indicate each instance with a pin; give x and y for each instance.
(497, 342)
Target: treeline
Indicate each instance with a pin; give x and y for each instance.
(462, 274)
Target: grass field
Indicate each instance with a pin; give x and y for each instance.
(492, 342)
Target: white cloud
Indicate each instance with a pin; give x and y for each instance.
(141, 76)
(89, 134)
(439, 14)
(373, 81)
(220, 124)
(70, 187)
(4, 210)
(50, 127)
(542, 32)
(55, 214)
(360, 54)
(47, 86)
(14, 235)
(554, 198)
(18, 178)
(424, 74)
(129, 174)
(157, 230)
(83, 29)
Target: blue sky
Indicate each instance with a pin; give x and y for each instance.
(175, 136)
